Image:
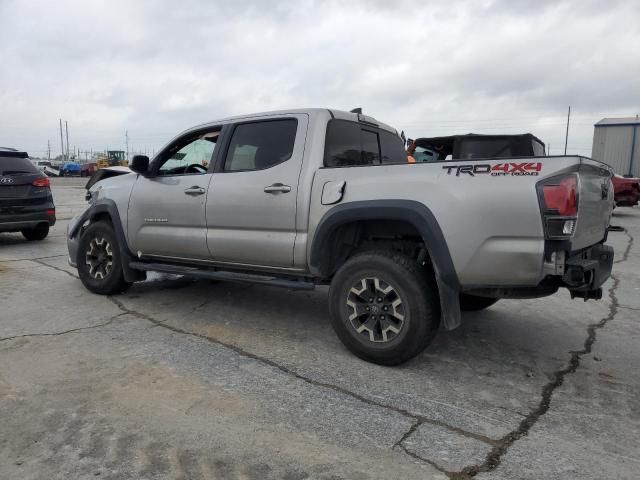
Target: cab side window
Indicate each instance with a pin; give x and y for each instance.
(351, 144)
(260, 145)
(190, 156)
(392, 148)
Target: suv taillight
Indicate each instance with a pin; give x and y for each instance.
(41, 182)
(559, 204)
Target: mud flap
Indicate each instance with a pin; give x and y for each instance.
(449, 305)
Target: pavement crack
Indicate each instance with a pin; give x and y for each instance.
(494, 457)
(418, 418)
(40, 262)
(627, 250)
(30, 259)
(412, 454)
(407, 434)
(57, 334)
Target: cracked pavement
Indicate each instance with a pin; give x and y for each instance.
(194, 379)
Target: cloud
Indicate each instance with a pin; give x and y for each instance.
(430, 68)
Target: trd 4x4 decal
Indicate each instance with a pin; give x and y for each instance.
(498, 170)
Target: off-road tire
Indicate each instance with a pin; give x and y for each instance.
(39, 232)
(112, 281)
(419, 306)
(473, 303)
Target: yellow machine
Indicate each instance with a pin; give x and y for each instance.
(112, 158)
(102, 161)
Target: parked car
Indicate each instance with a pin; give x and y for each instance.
(626, 191)
(41, 164)
(26, 203)
(324, 197)
(70, 169)
(87, 169)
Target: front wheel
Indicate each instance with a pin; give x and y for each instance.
(99, 260)
(383, 306)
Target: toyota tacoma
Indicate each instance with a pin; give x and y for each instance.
(311, 197)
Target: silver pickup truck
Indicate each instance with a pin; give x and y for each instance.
(310, 197)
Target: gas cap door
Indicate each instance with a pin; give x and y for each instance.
(332, 192)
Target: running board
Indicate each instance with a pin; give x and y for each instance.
(223, 275)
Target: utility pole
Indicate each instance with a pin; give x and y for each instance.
(48, 150)
(66, 126)
(61, 141)
(566, 137)
(126, 137)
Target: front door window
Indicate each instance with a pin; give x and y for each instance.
(192, 158)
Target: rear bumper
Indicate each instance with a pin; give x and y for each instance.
(23, 221)
(586, 272)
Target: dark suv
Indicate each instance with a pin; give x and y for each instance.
(26, 203)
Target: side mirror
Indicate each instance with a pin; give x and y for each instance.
(140, 164)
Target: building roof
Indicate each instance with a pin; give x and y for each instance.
(616, 122)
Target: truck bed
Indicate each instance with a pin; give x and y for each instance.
(487, 209)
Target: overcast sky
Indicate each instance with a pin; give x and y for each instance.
(427, 67)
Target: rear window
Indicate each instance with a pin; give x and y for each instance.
(353, 144)
(16, 166)
(392, 148)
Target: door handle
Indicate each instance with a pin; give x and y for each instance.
(277, 188)
(195, 190)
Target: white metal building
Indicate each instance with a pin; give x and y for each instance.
(616, 141)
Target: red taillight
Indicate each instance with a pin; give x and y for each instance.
(41, 182)
(563, 197)
(51, 212)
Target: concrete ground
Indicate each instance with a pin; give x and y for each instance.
(195, 380)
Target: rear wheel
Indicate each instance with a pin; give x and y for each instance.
(383, 307)
(99, 260)
(472, 303)
(39, 232)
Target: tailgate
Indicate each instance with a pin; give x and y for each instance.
(595, 203)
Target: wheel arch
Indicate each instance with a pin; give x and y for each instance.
(106, 209)
(324, 259)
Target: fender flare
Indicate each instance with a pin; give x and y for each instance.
(109, 207)
(415, 213)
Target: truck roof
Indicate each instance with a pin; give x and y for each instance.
(339, 114)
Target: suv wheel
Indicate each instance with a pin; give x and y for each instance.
(39, 232)
(473, 303)
(384, 307)
(99, 260)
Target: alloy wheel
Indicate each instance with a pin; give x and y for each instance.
(376, 310)
(99, 258)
